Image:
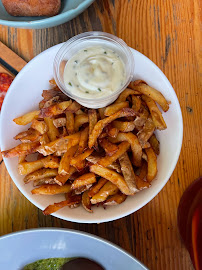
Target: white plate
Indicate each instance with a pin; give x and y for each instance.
(24, 95)
(21, 248)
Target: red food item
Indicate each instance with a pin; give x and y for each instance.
(5, 82)
(190, 221)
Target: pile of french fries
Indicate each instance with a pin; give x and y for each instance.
(91, 156)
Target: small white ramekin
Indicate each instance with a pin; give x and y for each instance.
(89, 39)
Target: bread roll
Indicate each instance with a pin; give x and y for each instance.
(32, 7)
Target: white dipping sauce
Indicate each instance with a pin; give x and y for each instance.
(94, 72)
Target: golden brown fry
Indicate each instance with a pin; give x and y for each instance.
(73, 107)
(110, 148)
(141, 184)
(81, 157)
(62, 179)
(142, 118)
(55, 109)
(136, 101)
(152, 164)
(92, 116)
(53, 132)
(44, 139)
(83, 142)
(104, 122)
(21, 149)
(152, 93)
(107, 190)
(101, 182)
(85, 180)
(22, 158)
(114, 166)
(80, 120)
(30, 135)
(111, 131)
(115, 108)
(52, 82)
(122, 148)
(70, 122)
(101, 112)
(43, 181)
(124, 126)
(127, 92)
(112, 176)
(146, 132)
(39, 174)
(118, 198)
(26, 118)
(86, 202)
(51, 189)
(128, 172)
(29, 167)
(65, 160)
(40, 126)
(143, 170)
(59, 122)
(155, 144)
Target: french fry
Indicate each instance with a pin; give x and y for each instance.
(44, 181)
(136, 101)
(115, 108)
(51, 189)
(155, 144)
(118, 198)
(107, 190)
(143, 170)
(152, 93)
(92, 118)
(70, 122)
(55, 109)
(128, 172)
(145, 133)
(52, 132)
(80, 120)
(21, 149)
(84, 180)
(124, 126)
(81, 157)
(73, 107)
(59, 122)
(152, 164)
(127, 92)
(101, 182)
(109, 147)
(86, 202)
(22, 158)
(64, 166)
(31, 135)
(101, 112)
(39, 174)
(114, 166)
(62, 179)
(142, 118)
(83, 142)
(31, 166)
(44, 139)
(111, 131)
(122, 148)
(112, 176)
(104, 122)
(141, 184)
(26, 118)
(40, 126)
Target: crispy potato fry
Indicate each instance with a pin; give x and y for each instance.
(115, 108)
(155, 113)
(136, 101)
(145, 133)
(52, 132)
(29, 167)
(73, 107)
(155, 144)
(39, 174)
(103, 123)
(112, 176)
(152, 164)
(64, 166)
(142, 118)
(127, 92)
(152, 93)
(107, 190)
(52, 82)
(83, 142)
(114, 166)
(86, 202)
(124, 126)
(128, 172)
(26, 118)
(31, 135)
(55, 109)
(44, 139)
(70, 122)
(81, 157)
(84, 180)
(22, 158)
(101, 112)
(44, 181)
(21, 149)
(143, 170)
(135, 146)
(122, 148)
(101, 182)
(141, 184)
(51, 189)
(39, 125)
(80, 120)
(59, 122)
(111, 131)
(71, 201)
(110, 148)
(118, 198)
(62, 179)
(92, 118)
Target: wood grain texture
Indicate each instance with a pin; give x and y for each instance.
(168, 32)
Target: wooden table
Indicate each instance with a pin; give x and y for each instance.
(168, 32)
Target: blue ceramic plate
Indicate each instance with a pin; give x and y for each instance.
(21, 248)
(70, 9)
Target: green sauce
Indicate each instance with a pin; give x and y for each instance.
(47, 264)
